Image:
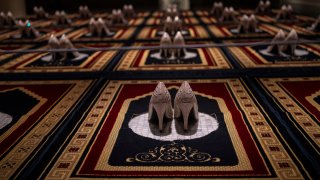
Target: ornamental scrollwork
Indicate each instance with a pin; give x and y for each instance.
(174, 152)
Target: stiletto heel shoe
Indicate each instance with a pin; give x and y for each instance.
(179, 41)
(243, 26)
(102, 29)
(169, 26)
(291, 48)
(92, 27)
(165, 41)
(184, 102)
(276, 48)
(253, 27)
(160, 102)
(65, 43)
(54, 44)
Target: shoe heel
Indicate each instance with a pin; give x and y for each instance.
(185, 109)
(160, 111)
(292, 49)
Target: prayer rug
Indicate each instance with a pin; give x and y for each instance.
(188, 32)
(205, 13)
(14, 36)
(181, 14)
(118, 33)
(132, 22)
(4, 58)
(160, 21)
(272, 19)
(30, 112)
(257, 57)
(41, 62)
(143, 14)
(150, 60)
(75, 22)
(301, 29)
(298, 97)
(207, 18)
(231, 31)
(110, 143)
(202, 13)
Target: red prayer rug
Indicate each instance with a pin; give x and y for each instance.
(146, 60)
(36, 62)
(243, 144)
(299, 97)
(30, 112)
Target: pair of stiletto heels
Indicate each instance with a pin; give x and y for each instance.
(177, 41)
(247, 24)
(185, 105)
(27, 30)
(286, 49)
(98, 28)
(62, 43)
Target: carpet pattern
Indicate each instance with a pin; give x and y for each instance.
(34, 63)
(9, 37)
(301, 103)
(159, 21)
(73, 119)
(229, 31)
(97, 146)
(183, 13)
(143, 60)
(122, 33)
(37, 108)
(252, 57)
(191, 32)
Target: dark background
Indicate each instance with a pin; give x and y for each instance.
(72, 5)
(306, 7)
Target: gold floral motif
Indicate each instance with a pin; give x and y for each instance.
(173, 152)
